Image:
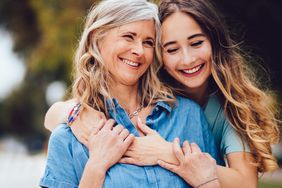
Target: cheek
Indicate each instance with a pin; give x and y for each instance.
(149, 55)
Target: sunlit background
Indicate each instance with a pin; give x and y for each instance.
(37, 42)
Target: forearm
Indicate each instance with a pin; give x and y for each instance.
(93, 176)
(232, 178)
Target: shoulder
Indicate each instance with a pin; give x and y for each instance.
(57, 113)
(187, 103)
(61, 137)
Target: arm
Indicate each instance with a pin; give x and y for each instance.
(105, 149)
(196, 168)
(240, 172)
(58, 114)
(149, 149)
(85, 123)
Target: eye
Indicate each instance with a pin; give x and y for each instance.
(149, 43)
(128, 37)
(171, 50)
(197, 43)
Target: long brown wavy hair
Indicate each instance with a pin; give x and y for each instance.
(92, 79)
(251, 110)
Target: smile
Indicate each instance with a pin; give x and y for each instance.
(130, 63)
(193, 71)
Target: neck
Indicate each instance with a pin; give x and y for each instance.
(127, 96)
(199, 94)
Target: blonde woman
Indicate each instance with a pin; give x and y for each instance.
(116, 75)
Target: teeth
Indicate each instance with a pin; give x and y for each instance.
(191, 71)
(130, 63)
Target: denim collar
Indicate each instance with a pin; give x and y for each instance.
(116, 105)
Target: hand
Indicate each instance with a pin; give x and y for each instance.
(194, 166)
(108, 145)
(146, 150)
(88, 121)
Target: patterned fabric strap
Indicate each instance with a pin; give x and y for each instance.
(73, 114)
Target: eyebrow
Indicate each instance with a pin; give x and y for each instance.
(189, 38)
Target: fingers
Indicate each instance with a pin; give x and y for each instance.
(168, 166)
(124, 133)
(95, 129)
(186, 148)
(128, 140)
(109, 124)
(195, 148)
(118, 129)
(177, 150)
(127, 160)
(143, 127)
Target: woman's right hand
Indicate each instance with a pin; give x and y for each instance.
(108, 145)
(195, 167)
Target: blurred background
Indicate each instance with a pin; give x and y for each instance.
(37, 43)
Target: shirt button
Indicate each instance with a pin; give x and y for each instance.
(157, 108)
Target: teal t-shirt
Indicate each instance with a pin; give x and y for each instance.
(226, 138)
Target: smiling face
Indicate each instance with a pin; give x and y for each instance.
(186, 51)
(128, 51)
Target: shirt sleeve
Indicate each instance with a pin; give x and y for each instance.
(59, 170)
(231, 141)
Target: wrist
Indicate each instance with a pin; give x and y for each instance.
(97, 167)
(167, 154)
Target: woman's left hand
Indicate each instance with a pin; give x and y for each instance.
(147, 149)
(195, 167)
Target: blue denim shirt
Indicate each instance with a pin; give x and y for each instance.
(67, 157)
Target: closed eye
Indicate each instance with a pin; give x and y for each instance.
(149, 43)
(197, 44)
(128, 37)
(171, 50)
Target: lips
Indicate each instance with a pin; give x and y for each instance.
(193, 71)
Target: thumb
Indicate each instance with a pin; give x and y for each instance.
(143, 127)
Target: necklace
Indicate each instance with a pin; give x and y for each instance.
(135, 113)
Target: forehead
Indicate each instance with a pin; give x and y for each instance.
(179, 25)
(145, 28)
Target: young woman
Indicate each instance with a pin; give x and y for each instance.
(202, 63)
(115, 74)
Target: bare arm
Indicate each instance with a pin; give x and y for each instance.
(148, 149)
(85, 123)
(93, 175)
(240, 172)
(57, 114)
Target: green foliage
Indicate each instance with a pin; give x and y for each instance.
(46, 34)
(269, 184)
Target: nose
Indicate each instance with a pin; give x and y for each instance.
(138, 49)
(188, 57)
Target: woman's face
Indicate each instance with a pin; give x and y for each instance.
(186, 51)
(128, 51)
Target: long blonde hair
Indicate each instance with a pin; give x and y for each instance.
(91, 85)
(251, 110)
